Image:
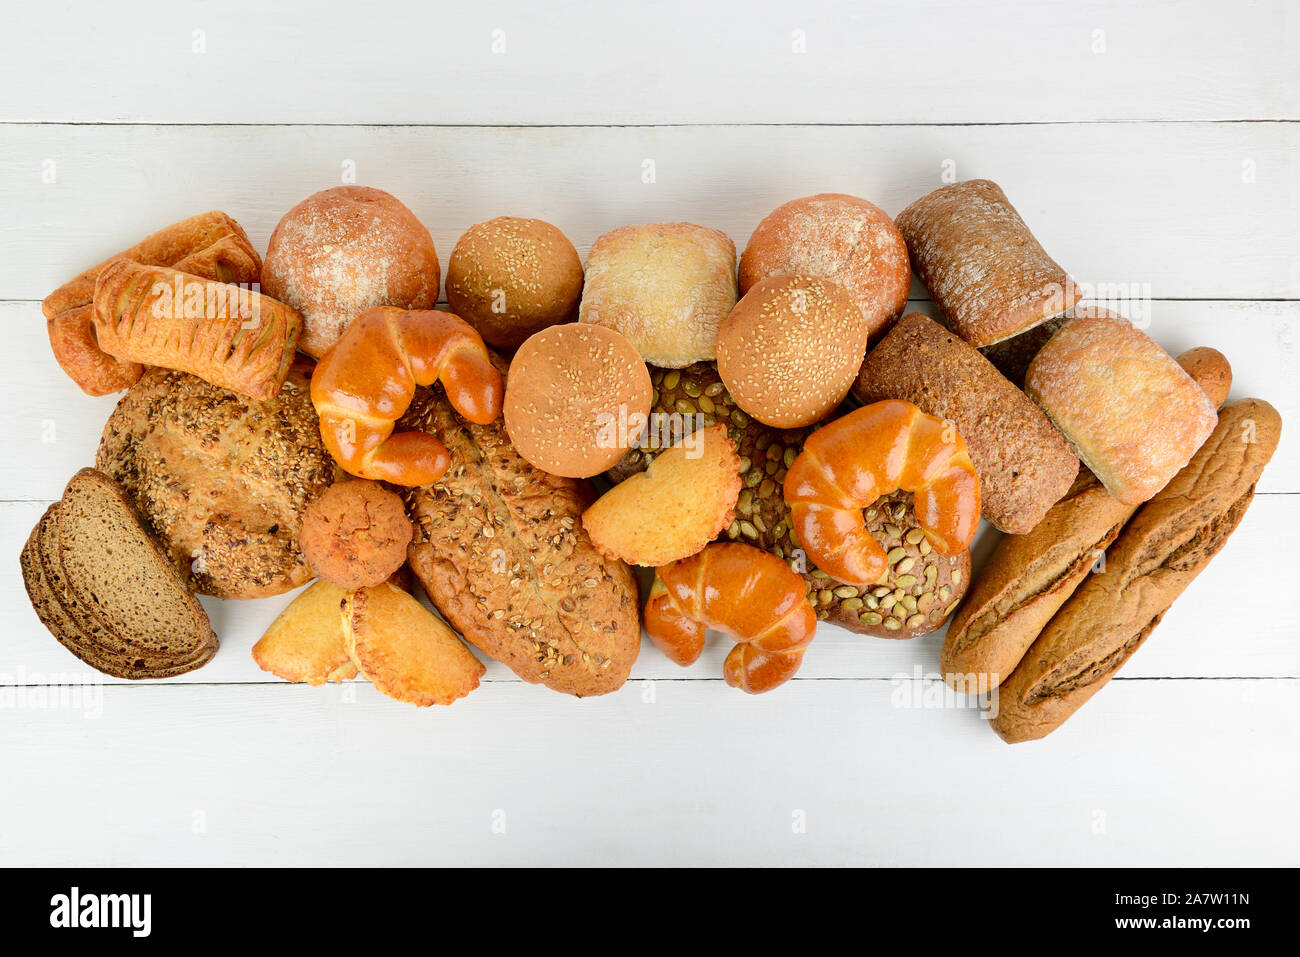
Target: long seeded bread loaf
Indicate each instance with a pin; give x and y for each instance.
(1024, 464)
(107, 591)
(1157, 555)
(501, 551)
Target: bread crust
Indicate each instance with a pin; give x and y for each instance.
(667, 287)
(1131, 412)
(1024, 464)
(500, 549)
(220, 479)
(984, 269)
(1153, 560)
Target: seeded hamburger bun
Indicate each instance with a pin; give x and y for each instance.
(791, 348)
(841, 238)
(576, 399)
(345, 250)
(510, 277)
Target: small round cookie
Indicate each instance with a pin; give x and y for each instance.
(841, 238)
(790, 350)
(355, 535)
(510, 277)
(345, 250)
(577, 397)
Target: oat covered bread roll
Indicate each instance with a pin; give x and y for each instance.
(1132, 413)
(1166, 545)
(222, 480)
(500, 549)
(841, 238)
(666, 287)
(1024, 464)
(983, 267)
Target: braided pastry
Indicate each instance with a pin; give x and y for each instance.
(741, 591)
(878, 449)
(365, 381)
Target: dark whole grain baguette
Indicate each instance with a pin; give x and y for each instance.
(1025, 465)
(500, 549)
(1029, 577)
(1157, 555)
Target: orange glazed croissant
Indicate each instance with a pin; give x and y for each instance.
(364, 383)
(747, 594)
(880, 448)
(232, 337)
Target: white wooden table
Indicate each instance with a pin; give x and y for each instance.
(1152, 144)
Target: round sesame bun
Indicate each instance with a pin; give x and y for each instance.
(509, 278)
(345, 250)
(576, 399)
(837, 237)
(790, 350)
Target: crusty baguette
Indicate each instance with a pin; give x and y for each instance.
(1170, 539)
(1029, 577)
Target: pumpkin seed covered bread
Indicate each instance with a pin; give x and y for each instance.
(500, 549)
(884, 609)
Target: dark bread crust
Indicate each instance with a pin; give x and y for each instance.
(500, 549)
(1025, 465)
(1158, 554)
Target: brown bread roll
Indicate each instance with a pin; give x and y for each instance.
(983, 267)
(511, 277)
(1024, 464)
(1131, 412)
(343, 251)
(1211, 370)
(1158, 554)
(500, 549)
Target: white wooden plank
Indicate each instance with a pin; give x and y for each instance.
(830, 772)
(1186, 210)
(676, 62)
(53, 428)
(1203, 636)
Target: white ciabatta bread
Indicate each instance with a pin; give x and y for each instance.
(1132, 413)
(841, 238)
(666, 287)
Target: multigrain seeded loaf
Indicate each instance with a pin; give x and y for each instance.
(221, 479)
(1157, 555)
(106, 590)
(500, 549)
(1024, 464)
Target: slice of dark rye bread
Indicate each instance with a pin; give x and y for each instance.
(105, 589)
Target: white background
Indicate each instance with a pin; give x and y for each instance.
(1153, 144)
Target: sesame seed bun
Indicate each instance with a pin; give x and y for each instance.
(345, 250)
(841, 238)
(576, 399)
(511, 277)
(790, 350)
